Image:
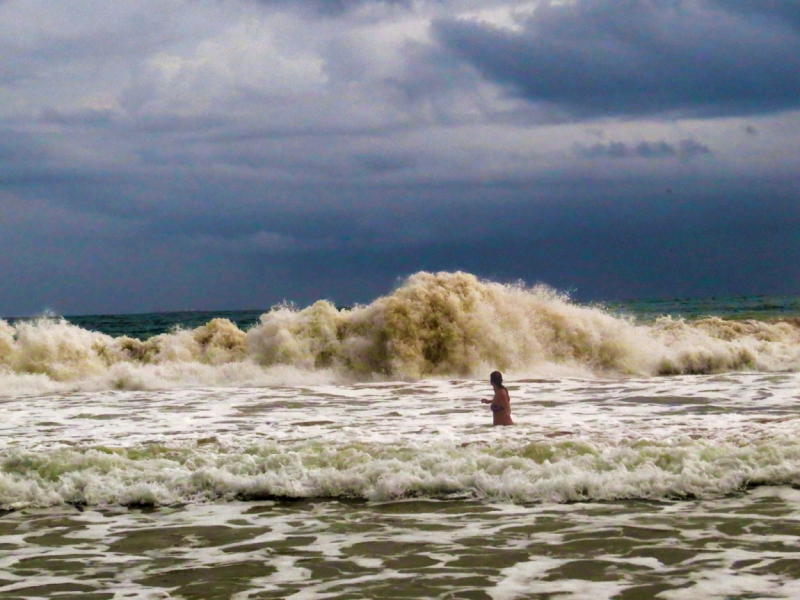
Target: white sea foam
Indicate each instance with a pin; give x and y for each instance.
(575, 439)
(740, 545)
(434, 325)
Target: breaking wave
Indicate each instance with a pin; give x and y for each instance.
(443, 324)
(544, 471)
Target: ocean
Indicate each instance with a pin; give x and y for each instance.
(332, 452)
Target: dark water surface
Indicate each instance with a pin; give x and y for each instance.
(746, 546)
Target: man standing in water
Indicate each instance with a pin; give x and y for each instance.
(501, 403)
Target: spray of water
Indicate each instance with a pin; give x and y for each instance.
(442, 324)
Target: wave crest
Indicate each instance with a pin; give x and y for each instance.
(545, 471)
(442, 324)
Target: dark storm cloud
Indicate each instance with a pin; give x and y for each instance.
(640, 57)
(144, 242)
(684, 150)
(599, 241)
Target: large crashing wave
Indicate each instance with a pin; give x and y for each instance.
(443, 324)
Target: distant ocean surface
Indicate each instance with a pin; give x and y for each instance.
(335, 452)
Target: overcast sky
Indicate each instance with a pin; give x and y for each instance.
(222, 154)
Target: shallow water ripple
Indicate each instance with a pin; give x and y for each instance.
(737, 547)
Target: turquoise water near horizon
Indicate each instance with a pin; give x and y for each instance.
(761, 308)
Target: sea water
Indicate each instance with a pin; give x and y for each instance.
(326, 453)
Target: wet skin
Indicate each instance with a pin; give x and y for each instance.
(500, 405)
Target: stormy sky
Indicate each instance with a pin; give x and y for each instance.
(223, 154)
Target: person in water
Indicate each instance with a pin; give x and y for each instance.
(501, 403)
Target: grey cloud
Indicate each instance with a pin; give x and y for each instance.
(171, 123)
(384, 163)
(638, 57)
(689, 148)
(86, 38)
(12, 72)
(16, 147)
(332, 7)
(86, 117)
(685, 150)
(785, 11)
(424, 77)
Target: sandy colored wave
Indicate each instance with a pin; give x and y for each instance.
(443, 324)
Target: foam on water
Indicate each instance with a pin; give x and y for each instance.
(743, 546)
(575, 439)
(445, 324)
